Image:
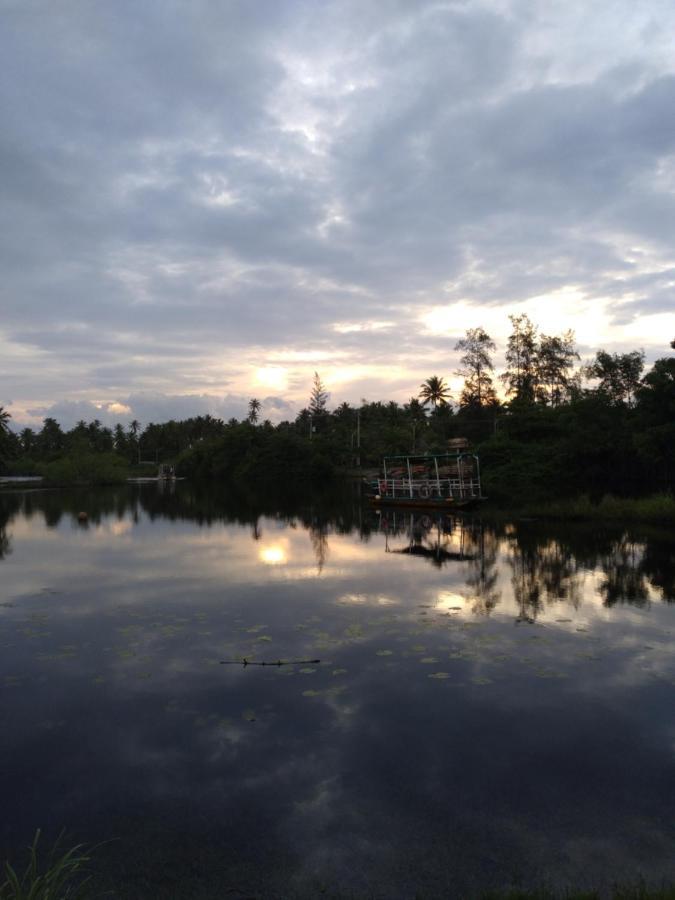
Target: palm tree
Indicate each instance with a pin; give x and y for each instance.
(254, 407)
(134, 428)
(434, 391)
(415, 412)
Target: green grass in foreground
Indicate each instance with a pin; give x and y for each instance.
(636, 892)
(655, 508)
(62, 876)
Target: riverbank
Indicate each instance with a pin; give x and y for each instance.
(657, 508)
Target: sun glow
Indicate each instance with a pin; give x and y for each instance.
(553, 313)
(272, 377)
(449, 600)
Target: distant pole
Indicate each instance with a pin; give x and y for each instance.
(358, 437)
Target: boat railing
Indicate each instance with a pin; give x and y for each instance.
(427, 488)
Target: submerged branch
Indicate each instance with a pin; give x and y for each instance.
(279, 662)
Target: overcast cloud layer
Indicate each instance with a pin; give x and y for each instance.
(202, 202)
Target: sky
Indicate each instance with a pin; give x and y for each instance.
(208, 201)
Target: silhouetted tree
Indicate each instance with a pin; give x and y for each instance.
(254, 407)
(554, 362)
(520, 378)
(318, 398)
(434, 391)
(476, 368)
(52, 439)
(618, 373)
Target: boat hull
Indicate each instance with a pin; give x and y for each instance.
(420, 503)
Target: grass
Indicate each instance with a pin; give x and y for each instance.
(617, 892)
(62, 876)
(655, 508)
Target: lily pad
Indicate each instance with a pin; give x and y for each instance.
(354, 631)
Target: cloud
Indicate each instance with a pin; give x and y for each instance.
(192, 194)
(156, 407)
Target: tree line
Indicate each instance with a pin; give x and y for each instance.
(561, 426)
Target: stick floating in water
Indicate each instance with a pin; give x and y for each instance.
(279, 662)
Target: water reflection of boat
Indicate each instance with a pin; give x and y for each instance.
(439, 539)
(166, 474)
(441, 480)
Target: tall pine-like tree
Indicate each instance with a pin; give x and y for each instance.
(477, 368)
(520, 377)
(319, 397)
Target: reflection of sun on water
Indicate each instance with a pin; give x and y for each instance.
(273, 555)
(447, 600)
(122, 527)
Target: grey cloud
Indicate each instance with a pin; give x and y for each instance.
(162, 200)
(150, 406)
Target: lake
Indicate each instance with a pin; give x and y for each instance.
(461, 706)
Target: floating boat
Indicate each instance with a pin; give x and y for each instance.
(448, 480)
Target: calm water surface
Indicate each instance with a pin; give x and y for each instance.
(493, 706)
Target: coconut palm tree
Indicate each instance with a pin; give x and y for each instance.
(254, 407)
(434, 391)
(4, 420)
(134, 429)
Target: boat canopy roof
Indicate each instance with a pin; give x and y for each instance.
(428, 457)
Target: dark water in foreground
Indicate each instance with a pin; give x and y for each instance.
(493, 706)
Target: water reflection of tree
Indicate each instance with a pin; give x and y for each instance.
(547, 569)
(658, 565)
(9, 506)
(5, 543)
(546, 559)
(559, 573)
(544, 570)
(483, 571)
(318, 535)
(624, 581)
(526, 582)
